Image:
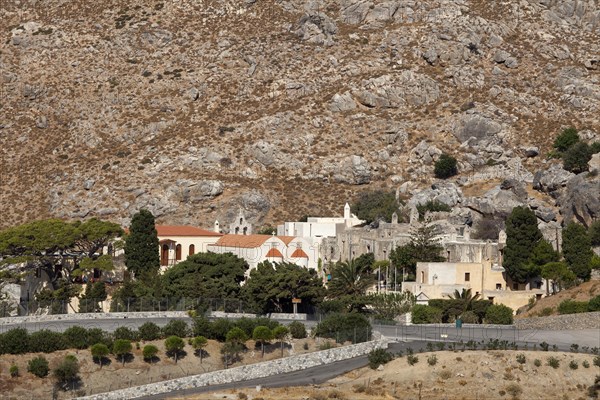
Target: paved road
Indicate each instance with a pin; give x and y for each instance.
(311, 376)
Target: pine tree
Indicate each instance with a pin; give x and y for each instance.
(141, 246)
(522, 236)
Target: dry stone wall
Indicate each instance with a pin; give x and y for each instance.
(246, 372)
(561, 322)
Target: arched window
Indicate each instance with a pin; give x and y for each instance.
(192, 250)
(422, 277)
(178, 252)
(164, 256)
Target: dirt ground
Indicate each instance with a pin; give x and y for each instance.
(135, 372)
(456, 375)
(583, 292)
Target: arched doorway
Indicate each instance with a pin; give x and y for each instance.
(164, 255)
(178, 252)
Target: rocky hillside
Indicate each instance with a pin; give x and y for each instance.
(193, 109)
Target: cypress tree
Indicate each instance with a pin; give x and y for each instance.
(141, 246)
(577, 249)
(522, 236)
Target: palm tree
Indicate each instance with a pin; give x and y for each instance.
(467, 296)
(350, 280)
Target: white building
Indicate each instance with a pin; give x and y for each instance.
(315, 229)
(258, 248)
(177, 242)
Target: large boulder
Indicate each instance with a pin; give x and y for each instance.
(476, 126)
(500, 200)
(354, 170)
(552, 179)
(443, 192)
(581, 199)
(316, 28)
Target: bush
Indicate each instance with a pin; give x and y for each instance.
(297, 330)
(412, 359)
(521, 358)
(537, 363)
(38, 366)
(175, 327)
(553, 362)
(149, 352)
(469, 317)
(513, 389)
(379, 357)
(567, 138)
(124, 333)
(433, 206)
(445, 167)
(597, 361)
(14, 341)
(201, 327)
(594, 304)
(76, 337)
(121, 348)
(585, 364)
(576, 158)
(573, 365)
(545, 312)
(14, 371)
(345, 327)
(67, 371)
(149, 331)
(376, 205)
(432, 360)
(594, 230)
(219, 329)
(572, 307)
(97, 335)
(46, 341)
(422, 314)
(499, 314)
(174, 346)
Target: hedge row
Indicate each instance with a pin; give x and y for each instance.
(20, 341)
(494, 314)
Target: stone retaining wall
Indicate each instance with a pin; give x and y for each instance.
(136, 315)
(246, 372)
(561, 322)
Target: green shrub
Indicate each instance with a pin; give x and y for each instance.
(201, 327)
(499, 314)
(594, 230)
(521, 358)
(469, 317)
(537, 363)
(149, 352)
(594, 304)
(219, 329)
(175, 327)
(412, 359)
(149, 331)
(125, 333)
(445, 167)
(597, 361)
(38, 366)
(513, 389)
(553, 362)
(432, 360)
(567, 138)
(14, 341)
(297, 330)
(585, 364)
(576, 158)
(379, 357)
(174, 346)
(97, 335)
(14, 371)
(422, 314)
(77, 337)
(573, 364)
(544, 346)
(121, 349)
(67, 370)
(572, 307)
(375, 205)
(99, 352)
(326, 345)
(46, 341)
(545, 312)
(351, 327)
(432, 205)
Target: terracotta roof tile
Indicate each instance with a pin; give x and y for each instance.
(274, 253)
(299, 253)
(286, 239)
(183, 230)
(245, 241)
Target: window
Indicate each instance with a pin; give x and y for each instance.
(245, 230)
(237, 230)
(498, 286)
(178, 252)
(192, 249)
(515, 286)
(467, 277)
(422, 277)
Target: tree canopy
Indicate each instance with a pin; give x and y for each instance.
(205, 275)
(141, 246)
(376, 205)
(522, 236)
(445, 167)
(577, 249)
(271, 287)
(350, 281)
(567, 138)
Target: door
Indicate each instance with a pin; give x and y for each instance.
(164, 255)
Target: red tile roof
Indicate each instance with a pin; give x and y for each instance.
(183, 230)
(299, 253)
(274, 253)
(286, 239)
